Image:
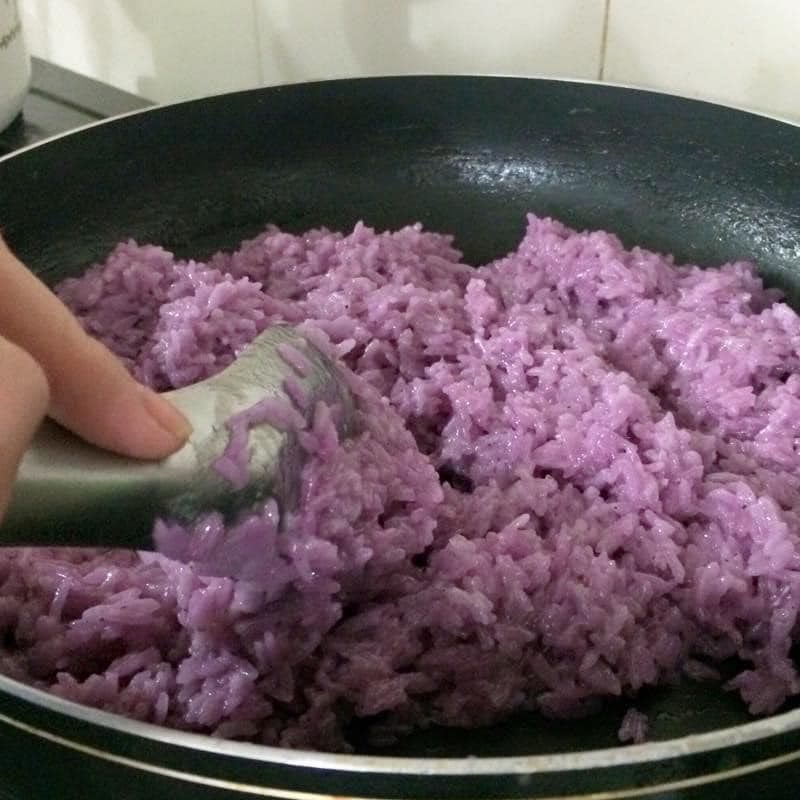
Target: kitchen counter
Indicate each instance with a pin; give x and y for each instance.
(60, 100)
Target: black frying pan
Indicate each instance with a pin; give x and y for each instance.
(465, 155)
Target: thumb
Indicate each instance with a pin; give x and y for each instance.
(23, 403)
(91, 392)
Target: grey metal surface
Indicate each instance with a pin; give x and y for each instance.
(60, 100)
(96, 498)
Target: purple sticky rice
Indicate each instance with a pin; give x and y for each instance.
(576, 475)
(295, 359)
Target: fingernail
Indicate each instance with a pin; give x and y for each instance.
(166, 415)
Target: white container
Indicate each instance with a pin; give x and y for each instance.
(15, 64)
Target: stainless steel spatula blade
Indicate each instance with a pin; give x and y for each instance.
(71, 493)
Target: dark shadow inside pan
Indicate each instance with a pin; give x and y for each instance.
(672, 712)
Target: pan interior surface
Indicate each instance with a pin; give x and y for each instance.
(468, 156)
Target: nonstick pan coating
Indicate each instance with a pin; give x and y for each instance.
(466, 155)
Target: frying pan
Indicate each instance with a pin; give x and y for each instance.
(467, 155)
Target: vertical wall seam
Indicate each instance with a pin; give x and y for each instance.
(604, 41)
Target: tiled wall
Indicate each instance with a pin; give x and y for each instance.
(743, 52)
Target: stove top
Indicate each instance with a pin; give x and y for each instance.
(60, 100)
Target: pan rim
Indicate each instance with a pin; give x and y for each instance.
(572, 761)
(577, 761)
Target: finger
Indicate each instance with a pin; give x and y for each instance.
(91, 392)
(24, 396)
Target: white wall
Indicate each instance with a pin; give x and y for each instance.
(743, 52)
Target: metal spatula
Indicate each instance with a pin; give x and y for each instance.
(71, 493)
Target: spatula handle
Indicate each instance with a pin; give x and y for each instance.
(68, 492)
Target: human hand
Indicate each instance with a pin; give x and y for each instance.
(50, 366)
